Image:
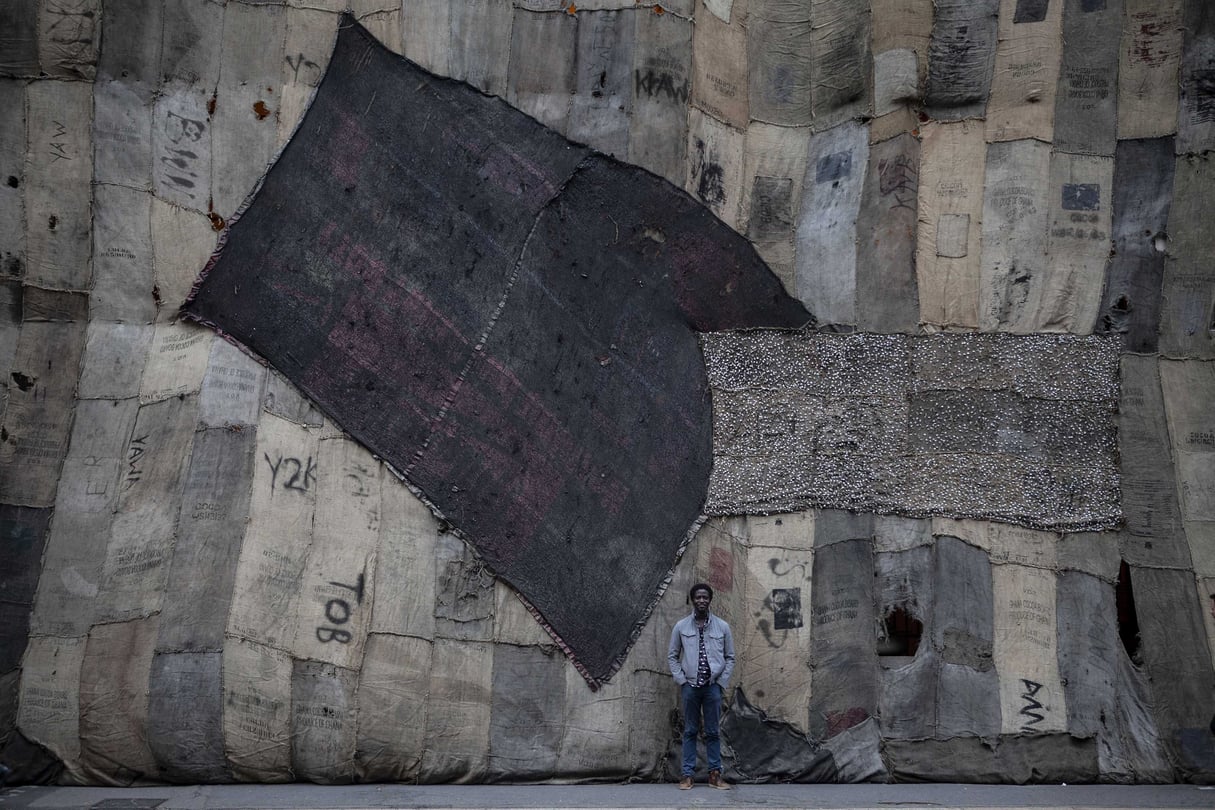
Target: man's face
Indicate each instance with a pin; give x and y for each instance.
(700, 601)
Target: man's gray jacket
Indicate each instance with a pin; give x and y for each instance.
(683, 654)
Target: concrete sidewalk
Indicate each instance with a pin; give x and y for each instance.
(769, 797)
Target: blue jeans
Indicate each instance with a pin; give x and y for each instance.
(695, 700)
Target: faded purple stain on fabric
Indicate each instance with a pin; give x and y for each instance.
(508, 318)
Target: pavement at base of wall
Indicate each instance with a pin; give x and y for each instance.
(634, 797)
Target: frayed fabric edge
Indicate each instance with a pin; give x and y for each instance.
(593, 681)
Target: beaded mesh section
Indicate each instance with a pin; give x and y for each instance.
(1013, 428)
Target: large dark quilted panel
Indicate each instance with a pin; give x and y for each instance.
(507, 318)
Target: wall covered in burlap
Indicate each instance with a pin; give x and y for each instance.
(208, 579)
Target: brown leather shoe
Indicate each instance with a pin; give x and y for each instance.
(685, 783)
(715, 781)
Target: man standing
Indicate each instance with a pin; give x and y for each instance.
(701, 658)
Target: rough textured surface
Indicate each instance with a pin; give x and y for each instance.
(770, 750)
(966, 427)
(219, 584)
(1016, 760)
(543, 391)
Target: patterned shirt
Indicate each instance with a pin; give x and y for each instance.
(683, 651)
(702, 667)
